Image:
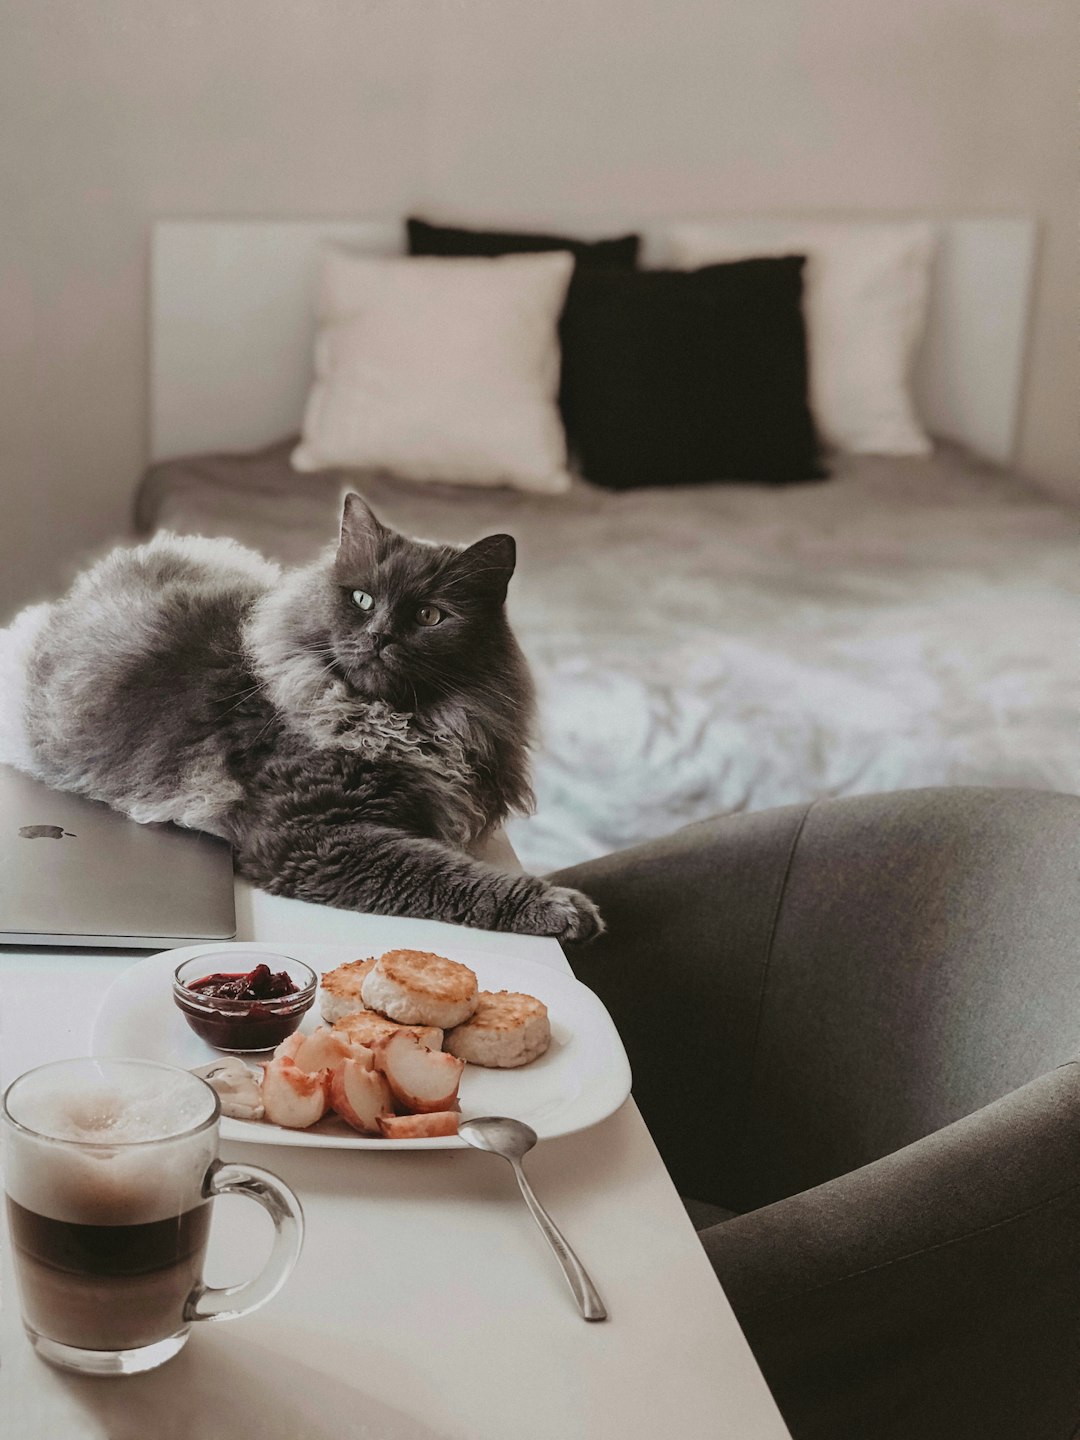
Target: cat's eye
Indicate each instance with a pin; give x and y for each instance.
(362, 599)
(428, 615)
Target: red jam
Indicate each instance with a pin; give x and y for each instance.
(257, 984)
(243, 1021)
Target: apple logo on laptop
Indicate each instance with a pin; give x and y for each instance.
(45, 832)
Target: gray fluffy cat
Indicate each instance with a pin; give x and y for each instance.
(350, 726)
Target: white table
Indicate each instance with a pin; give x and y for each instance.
(425, 1304)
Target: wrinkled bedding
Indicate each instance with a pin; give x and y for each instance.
(732, 647)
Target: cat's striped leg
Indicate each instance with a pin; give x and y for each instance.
(384, 871)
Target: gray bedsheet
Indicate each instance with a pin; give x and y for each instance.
(729, 647)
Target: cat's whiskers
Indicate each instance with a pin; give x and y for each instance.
(244, 695)
(263, 730)
(349, 674)
(330, 668)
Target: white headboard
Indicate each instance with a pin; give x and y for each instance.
(232, 326)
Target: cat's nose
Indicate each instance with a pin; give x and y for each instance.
(377, 640)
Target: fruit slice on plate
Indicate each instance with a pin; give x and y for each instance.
(293, 1097)
(361, 1096)
(422, 1080)
(419, 1127)
(365, 1027)
(325, 1049)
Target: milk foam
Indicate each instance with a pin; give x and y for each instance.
(136, 1107)
(123, 1156)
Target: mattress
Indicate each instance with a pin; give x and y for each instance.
(731, 647)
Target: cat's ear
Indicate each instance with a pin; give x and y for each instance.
(487, 566)
(361, 532)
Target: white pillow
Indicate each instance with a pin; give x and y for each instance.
(866, 286)
(439, 369)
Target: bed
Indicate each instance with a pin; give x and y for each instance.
(697, 649)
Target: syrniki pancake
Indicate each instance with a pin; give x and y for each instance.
(365, 1027)
(339, 992)
(508, 1029)
(418, 988)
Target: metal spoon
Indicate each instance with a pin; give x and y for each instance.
(512, 1139)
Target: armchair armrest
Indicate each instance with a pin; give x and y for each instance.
(935, 1292)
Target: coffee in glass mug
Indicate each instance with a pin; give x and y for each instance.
(110, 1169)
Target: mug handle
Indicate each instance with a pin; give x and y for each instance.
(229, 1302)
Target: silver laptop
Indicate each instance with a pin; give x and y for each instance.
(74, 872)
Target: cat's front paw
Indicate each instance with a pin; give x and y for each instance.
(563, 913)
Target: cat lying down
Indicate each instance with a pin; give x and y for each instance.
(351, 727)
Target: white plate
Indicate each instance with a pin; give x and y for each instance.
(582, 1078)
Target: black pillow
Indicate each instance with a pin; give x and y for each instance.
(677, 377)
(619, 254)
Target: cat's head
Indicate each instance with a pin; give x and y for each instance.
(412, 623)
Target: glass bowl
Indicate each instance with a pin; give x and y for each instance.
(250, 1022)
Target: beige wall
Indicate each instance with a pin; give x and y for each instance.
(113, 112)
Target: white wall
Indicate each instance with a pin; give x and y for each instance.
(118, 111)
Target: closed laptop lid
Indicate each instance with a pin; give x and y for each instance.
(75, 872)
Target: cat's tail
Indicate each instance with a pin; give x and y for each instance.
(16, 643)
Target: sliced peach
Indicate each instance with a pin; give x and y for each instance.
(430, 1036)
(422, 1080)
(289, 1046)
(293, 1097)
(360, 1096)
(324, 1049)
(367, 1027)
(419, 1127)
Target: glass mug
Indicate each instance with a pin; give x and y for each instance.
(110, 1169)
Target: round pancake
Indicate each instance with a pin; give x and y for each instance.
(507, 1030)
(416, 987)
(339, 990)
(368, 1028)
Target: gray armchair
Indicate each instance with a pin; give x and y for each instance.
(852, 1028)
